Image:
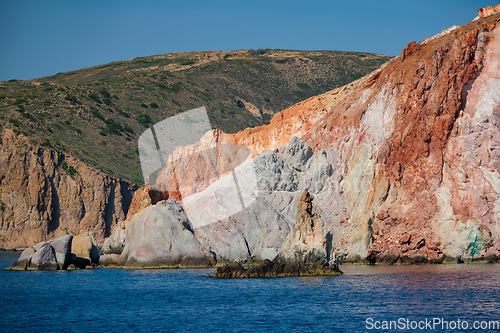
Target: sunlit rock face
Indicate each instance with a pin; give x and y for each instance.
(403, 163)
(46, 194)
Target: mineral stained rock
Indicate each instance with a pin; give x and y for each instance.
(408, 152)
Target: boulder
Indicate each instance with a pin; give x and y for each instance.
(84, 247)
(161, 236)
(44, 259)
(109, 259)
(24, 260)
(49, 255)
(62, 250)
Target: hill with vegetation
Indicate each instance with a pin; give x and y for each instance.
(96, 114)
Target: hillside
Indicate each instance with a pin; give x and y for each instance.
(96, 114)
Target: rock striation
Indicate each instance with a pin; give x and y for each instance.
(46, 193)
(403, 163)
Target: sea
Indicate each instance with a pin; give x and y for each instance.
(426, 298)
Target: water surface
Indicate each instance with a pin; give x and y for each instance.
(183, 300)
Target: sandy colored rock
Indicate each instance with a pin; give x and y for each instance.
(84, 246)
(41, 200)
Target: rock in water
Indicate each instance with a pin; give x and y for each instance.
(62, 250)
(84, 250)
(306, 251)
(161, 236)
(44, 259)
(308, 245)
(50, 255)
(24, 260)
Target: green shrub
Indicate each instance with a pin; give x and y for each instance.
(15, 122)
(128, 129)
(282, 61)
(104, 92)
(144, 119)
(176, 87)
(144, 106)
(302, 85)
(95, 97)
(161, 85)
(154, 105)
(72, 99)
(72, 171)
(97, 114)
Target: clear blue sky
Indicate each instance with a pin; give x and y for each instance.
(42, 38)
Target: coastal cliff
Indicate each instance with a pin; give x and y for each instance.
(403, 163)
(45, 193)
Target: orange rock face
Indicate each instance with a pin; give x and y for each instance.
(484, 12)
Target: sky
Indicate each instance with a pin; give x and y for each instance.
(42, 38)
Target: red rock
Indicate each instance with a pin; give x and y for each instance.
(485, 12)
(382, 215)
(405, 239)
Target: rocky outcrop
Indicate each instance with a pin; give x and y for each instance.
(308, 245)
(306, 251)
(46, 193)
(50, 255)
(161, 236)
(487, 11)
(405, 165)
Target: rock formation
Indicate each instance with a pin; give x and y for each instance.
(306, 251)
(161, 236)
(45, 193)
(50, 255)
(485, 12)
(405, 166)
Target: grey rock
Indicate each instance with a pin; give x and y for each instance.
(296, 153)
(62, 250)
(44, 259)
(23, 262)
(161, 236)
(115, 242)
(273, 174)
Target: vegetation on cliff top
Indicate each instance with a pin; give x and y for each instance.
(98, 113)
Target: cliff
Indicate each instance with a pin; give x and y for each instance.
(45, 193)
(405, 166)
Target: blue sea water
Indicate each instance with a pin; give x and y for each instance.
(183, 300)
